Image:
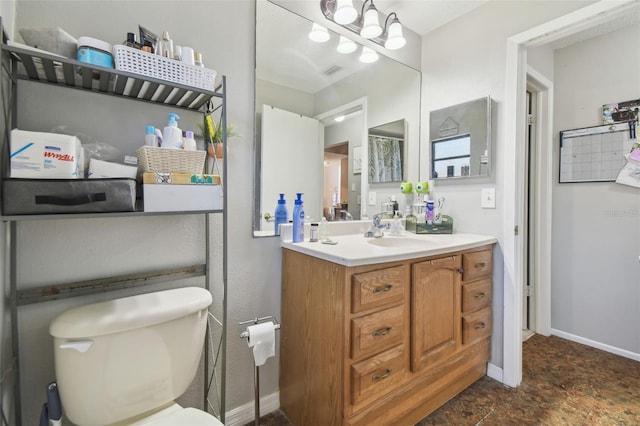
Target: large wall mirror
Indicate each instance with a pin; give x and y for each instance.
(314, 109)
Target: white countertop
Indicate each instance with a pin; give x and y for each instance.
(356, 250)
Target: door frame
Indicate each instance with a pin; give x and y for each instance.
(513, 161)
(541, 208)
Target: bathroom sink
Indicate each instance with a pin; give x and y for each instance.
(401, 242)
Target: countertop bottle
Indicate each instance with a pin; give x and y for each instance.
(166, 46)
(171, 134)
(298, 220)
(189, 143)
(281, 214)
(313, 233)
(323, 232)
(150, 138)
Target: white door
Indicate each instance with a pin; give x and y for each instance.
(292, 158)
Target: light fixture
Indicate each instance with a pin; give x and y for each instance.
(395, 39)
(346, 45)
(368, 55)
(319, 33)
(370, 24)
(345, 12)
(367, 23)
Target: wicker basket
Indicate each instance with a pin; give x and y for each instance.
(165, 160)
(151, 65)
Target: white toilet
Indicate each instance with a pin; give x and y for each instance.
(124, 361)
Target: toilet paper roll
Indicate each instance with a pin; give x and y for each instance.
(262, 338)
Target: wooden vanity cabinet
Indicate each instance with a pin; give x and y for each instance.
(381, 344)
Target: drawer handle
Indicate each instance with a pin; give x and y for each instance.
(377, 377)
(382, 331)
(383, 288)
(480, 265)
(479, 326)
(479, 295)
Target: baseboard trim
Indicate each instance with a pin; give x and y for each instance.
(495, 372)
(246, 413)
(607, 348)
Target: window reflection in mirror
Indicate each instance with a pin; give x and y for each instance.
(451, 157)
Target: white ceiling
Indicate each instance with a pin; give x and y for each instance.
(423, 16)
(285, 55)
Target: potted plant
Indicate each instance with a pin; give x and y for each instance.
(211, 132)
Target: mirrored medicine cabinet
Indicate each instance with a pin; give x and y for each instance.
(460, 139)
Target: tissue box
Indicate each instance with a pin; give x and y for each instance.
(175, 198)
(38, 196)
(54, 40)
(106, 169)
(38, 155)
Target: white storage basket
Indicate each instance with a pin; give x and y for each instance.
(151, 65)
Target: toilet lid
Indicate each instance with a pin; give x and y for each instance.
(186, 416)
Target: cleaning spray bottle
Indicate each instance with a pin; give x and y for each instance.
(298, 220)
(171, 134)
(281, 214)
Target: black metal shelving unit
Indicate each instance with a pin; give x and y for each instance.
(23, 63)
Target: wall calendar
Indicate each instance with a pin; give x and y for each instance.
(594, 154)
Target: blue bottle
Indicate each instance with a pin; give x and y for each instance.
(298, 220)
(281, 215)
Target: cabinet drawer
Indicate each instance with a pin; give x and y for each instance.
(476, 264)
(476, 326)
(378, 375)
(374, 333)
(476, 295)
(378, 288)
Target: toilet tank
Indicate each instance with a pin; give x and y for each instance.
(124, 357)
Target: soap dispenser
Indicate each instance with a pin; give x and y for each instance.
(171, 134)
(298, 220)
(281, 214)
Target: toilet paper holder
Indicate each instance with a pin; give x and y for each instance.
(273, 319)
(256, 370)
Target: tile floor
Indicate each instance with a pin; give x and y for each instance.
(564, 383)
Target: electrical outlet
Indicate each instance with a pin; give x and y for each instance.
(372, 198)
(488, 198)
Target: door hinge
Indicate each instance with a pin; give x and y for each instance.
(515, 230)
(531, 119)
(529, 290)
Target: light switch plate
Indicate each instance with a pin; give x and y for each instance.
(372, 198)
(488, 198)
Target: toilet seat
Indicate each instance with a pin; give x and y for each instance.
(176, 415)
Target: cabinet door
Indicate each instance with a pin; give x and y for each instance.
(435, 310)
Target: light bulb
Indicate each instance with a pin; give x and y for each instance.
(319, 33)
(346, 45)
(345, 12)
(395, 39)
(371, 27)
(368, 55)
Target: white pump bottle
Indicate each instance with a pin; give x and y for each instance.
(171, 134)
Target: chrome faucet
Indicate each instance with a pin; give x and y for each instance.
(376, 227)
